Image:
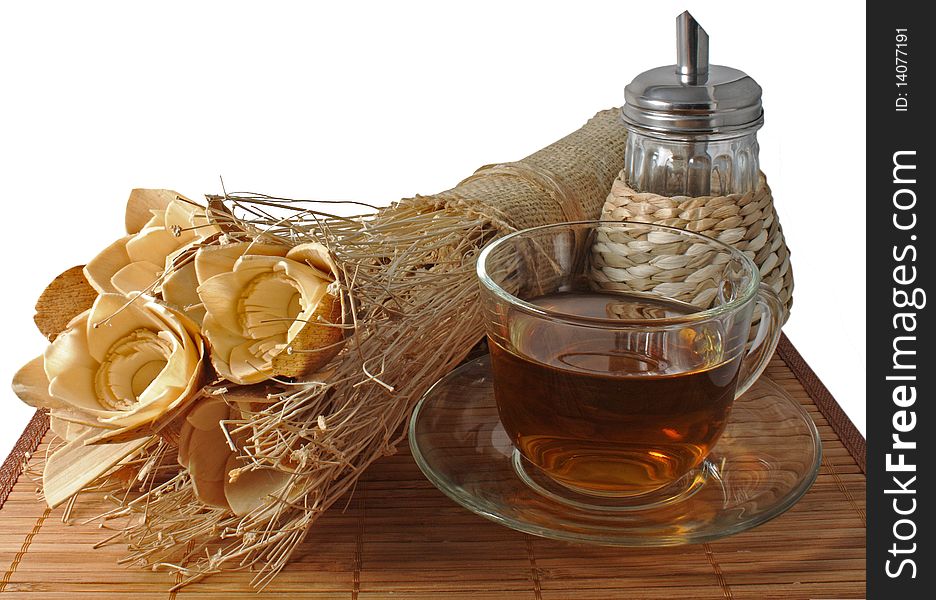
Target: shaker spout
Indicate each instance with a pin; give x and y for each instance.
(692, 44)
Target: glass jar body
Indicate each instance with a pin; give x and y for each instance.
(703, 165)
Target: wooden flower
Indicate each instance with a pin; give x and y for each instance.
(120, 372)
(162, 226)
(222, 476)
(122, 368)
(271, 310)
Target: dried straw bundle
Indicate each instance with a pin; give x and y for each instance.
(411, 314)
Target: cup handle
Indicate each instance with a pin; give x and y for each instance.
(765, 341)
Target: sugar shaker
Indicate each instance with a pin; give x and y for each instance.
(692, 126)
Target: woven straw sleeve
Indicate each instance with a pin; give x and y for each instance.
(748, 222)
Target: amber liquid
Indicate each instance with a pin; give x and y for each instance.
(612, 412)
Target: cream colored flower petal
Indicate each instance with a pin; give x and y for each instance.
(313, 289)
(75, 388)
(59, 427)
(184, 254)
(188, 333)
(31, 385)
(249, 490)
(148, 365)
(180, 218)
(179, 290)
(102, 267)
(75, 465)
(158, 405)
(205, 228)
(133, 423)
(191, 219)
(208, 413)
(154, 419)
(220, 339)
(222, 293)
(215, 260)
(252, 262)
(179, 367)
(67, 430)
(76, 417)
(210, 492)
(189, 360)
(71, 371)
(251, 360)
(173, 321)
(206, 416)
(158, 400)
(139, 276)
(246, 367)
(140, 205)
(151, 364)
(127, 379)
(142, 421)
(207, 453)
(152, 244)
(157, 219)
(221, 342)
(179, 286)
(70, 348)
(119, 436)
(196, 383)
(270, 304)
(310, 279)
(113, 317)
(147, 409)
(220, 296)
(267, 348)
(189, 326)
(317, 256)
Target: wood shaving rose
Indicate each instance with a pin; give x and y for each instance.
(271, 310)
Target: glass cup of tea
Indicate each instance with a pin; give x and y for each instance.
(618, 349)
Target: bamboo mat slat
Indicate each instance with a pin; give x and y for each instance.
(401, 538)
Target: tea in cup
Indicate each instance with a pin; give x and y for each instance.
(621, 389)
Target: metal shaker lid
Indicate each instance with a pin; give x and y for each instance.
(693, 96)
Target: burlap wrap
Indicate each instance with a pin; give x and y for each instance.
(566, 181)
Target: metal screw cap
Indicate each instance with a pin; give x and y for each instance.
(693, 96)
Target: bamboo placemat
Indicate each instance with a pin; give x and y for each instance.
(401, 538)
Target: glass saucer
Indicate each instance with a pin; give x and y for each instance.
(764, 462)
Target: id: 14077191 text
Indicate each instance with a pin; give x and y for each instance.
(901, 68)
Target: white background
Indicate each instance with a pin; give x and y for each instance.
(378, 101)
